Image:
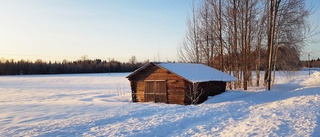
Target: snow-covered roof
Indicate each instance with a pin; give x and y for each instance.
(193, 72)
(196, 72)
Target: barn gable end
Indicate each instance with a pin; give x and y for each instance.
(152, 73)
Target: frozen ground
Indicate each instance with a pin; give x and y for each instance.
(99, 105)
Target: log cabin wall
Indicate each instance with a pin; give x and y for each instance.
(175, 85)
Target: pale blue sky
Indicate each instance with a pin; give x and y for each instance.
(68, 29)
(313, 46)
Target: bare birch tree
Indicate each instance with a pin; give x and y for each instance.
(190, 49)
(239, 37)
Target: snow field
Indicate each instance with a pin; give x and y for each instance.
(99, 105)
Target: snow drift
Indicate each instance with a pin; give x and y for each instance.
(313, 80)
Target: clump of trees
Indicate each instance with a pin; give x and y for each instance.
(84, 65)
(241, 36)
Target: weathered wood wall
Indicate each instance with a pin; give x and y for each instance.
(175, 84)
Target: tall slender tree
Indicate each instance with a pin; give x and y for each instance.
(239, 37)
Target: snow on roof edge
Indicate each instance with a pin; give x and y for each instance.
(189, 71)
(139, 69)
(186, 71)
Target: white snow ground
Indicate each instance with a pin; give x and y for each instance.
(99, 105)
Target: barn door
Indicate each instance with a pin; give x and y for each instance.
(160, 91)
(155, 91)
(149, 91)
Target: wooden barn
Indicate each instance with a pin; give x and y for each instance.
(177, 83)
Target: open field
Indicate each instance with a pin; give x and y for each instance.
(99, 105)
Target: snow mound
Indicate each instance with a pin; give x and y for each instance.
(313, 80)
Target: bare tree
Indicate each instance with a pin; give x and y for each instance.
(290, 30)
(84, 58)
(190, 49)
(194, 93)
(237, 36)
(133, 60)
(235, 56)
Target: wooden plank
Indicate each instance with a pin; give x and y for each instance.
(176, 93)
(176, 97)
(176, 84)
(181, 102)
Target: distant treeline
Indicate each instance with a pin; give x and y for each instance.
(314, 63)
(11, 67)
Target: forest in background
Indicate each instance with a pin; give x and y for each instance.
(26, 67)
(313, 63)
(83, 65)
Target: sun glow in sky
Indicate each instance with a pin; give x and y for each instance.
(68, 29)
(119, 29)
